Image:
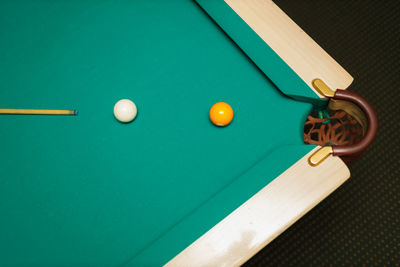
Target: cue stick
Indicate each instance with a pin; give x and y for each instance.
(37, 111)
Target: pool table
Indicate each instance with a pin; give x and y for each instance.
(169, 188)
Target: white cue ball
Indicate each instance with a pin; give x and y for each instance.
(125, 110)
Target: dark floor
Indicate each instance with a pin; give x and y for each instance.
(359, 224)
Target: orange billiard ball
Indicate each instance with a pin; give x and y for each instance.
(221, 114)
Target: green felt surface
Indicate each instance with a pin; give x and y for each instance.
(90, 191)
